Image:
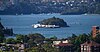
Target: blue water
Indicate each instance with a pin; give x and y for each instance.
(79, 24)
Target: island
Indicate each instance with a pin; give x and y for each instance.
(51, 23)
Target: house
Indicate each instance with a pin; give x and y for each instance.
(19, 46)
(90, 46)
(22, 46)
(63, 45)
(95, 31)
(59, 41)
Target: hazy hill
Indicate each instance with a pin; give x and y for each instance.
(8, 7)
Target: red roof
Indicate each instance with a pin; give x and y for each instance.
(91, 43)
(64, 44)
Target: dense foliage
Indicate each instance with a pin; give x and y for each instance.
(75, 40)
(82, 38)
(54, 21)
(10, 41)
(37, 44)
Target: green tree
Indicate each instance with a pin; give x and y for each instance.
(19, 38)
(72, 38)
(2, 38)
(53, 38)
(10, 41)
(31, 43)
(77, 40)
(49, 48)
(82, 38)
(37, 38)
(97, 38)
(35, 49)
(26, 38)
(1, 50)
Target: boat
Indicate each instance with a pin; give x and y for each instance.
(44, 26)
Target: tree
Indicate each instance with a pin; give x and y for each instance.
(31, 43)
(26, 38)
(10, 41)
(72, 38)
(77, 40)
(49, 48)
(97, 38)
(19, 38)
(37, 38)
(2, 38)
(53, 38)
(82, 38)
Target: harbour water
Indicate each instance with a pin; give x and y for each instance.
(79, 24)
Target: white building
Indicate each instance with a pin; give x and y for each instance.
(56, 42)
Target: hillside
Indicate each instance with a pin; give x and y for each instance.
(13, 7)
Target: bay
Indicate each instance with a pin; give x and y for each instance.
(79, 24)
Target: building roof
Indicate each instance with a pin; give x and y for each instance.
(94, 26)
(64, 44)
(91, 43)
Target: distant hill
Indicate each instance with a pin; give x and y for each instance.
(13, 7)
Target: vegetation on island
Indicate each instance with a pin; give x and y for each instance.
(54, 21)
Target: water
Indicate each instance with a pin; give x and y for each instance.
(79, 24)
